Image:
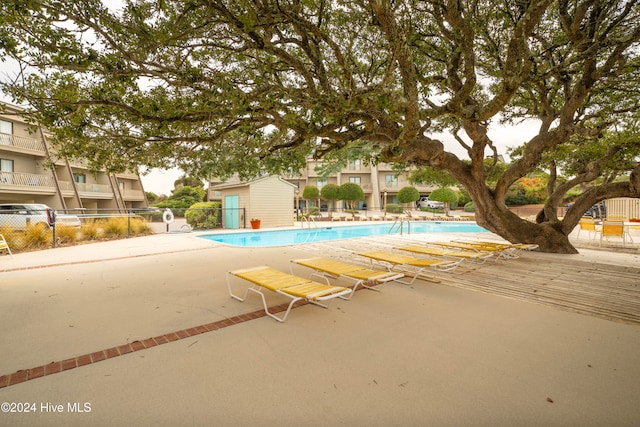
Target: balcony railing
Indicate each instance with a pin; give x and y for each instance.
(93, 188)
(19, 179)
(21, 142)
(133, 195)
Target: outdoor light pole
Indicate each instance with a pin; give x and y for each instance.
(297, 204)
(385, 201)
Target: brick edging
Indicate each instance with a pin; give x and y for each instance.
(110, 353)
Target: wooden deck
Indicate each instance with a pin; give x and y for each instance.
(604, 290)
(609, 290)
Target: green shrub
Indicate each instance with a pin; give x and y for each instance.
(203, 215)
(463, 197)
(469, 207)
(408, 195)
(394, 208)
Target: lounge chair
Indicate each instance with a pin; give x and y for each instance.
(4, 246)
(479, 248)
(500, 245)
(502, 250)
(365, 277)
(442, 252)
(390, 260)
(296, 288)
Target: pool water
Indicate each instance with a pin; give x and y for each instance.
(320, 234)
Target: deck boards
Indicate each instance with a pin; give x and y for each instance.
(608, 291)
(598, 289)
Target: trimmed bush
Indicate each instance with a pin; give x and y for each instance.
(203, 215)
(394, 208)
(469, 207)
(408, 195)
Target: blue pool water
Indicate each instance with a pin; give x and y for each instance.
(320, 234)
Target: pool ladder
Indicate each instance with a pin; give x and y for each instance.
(309, 220)
(398, 225)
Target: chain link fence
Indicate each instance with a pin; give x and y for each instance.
(28, 227)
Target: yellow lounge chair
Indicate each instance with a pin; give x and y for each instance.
(442, 252)
(296, 288)
(504, 250)
(4, 246)
(329, 268)
(479, 248)
(390, 260)
(500, 245)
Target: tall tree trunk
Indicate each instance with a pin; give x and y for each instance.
(548, 236)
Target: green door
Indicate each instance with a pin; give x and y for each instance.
(231, 212)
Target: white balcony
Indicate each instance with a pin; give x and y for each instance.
(26, 182)
(22, 143)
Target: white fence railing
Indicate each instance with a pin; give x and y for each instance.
(26, 180)
(623, 207)
(22, 142)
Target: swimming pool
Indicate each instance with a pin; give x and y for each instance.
(320, 234)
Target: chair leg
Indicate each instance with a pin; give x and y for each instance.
(266, 307)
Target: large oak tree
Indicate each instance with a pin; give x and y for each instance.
(241, 86)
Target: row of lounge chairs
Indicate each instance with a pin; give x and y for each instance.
(448, 255)
(391, 217)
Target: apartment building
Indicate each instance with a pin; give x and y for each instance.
(379, 183)
(30, 172)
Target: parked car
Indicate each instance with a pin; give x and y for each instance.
(18, 215)
(424, 202)
(599, 210)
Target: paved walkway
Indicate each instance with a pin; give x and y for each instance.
(143, 332)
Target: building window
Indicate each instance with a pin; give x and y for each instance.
(355, 165)
(321, 183)
(80, 178)
(390, 181)
(6, 171)
(355, 179)
(6, 165)
(6, 129)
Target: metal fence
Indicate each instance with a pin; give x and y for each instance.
(32, 227)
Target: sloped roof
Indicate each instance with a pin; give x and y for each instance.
(249, 183)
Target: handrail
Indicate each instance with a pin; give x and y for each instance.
(399, 221)
(309, 219)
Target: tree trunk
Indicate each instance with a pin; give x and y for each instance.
(549, 237)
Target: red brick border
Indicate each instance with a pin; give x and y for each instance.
(109, 353)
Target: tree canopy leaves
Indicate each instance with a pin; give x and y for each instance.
(246, 86)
